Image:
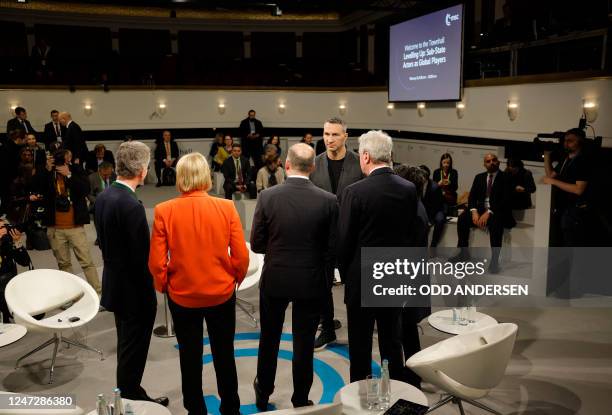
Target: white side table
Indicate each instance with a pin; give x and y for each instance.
(354, 401)
(143, 408)
(10, 333)
(443, 320)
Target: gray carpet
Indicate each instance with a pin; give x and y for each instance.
(562, 361)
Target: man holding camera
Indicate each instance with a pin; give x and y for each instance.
(65, 189)
(569, 179)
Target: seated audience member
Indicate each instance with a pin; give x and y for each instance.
(273, 141)
(224, 151)
(12, 252)
(214, 148)
(433, 200)
(25, 199)
(25, 156)
(99, 181)
(65, 187)
(488, 208)
(54, 131)
(200, 287)
(417, 177)
(97, 156)
(270, 174)
(307, 139)
(522, 184)
(166, 155)
(39, 157)
(448, 180)
(237, 174)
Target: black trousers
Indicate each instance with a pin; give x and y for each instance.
(327, 313)
(495, 225)
(360, 331)
(230, 188)
(133, 339)
(253, 149)
(305, 318)
(159, 165)
(439, 221)
(410, 339)
(221, 326)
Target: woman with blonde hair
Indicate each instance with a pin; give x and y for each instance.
(190, 261)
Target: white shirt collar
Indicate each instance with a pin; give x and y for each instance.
(297, 176)
(126, 185)
(68, 123)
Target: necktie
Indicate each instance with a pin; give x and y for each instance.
(238, 171)
(57, 130)
(168, 151)
(25, 126)
(489, 184)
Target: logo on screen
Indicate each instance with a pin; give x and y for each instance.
(451, 18)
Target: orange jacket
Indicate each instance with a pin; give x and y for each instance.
(189, 255)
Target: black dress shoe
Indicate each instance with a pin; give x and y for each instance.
(307, 403)
(261, 400)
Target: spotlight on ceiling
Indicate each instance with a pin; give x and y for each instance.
(276, 10)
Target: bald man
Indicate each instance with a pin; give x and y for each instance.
(298, 251)
(73, 139)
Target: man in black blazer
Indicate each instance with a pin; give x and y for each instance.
(127, 284)
(489, 207)
(433, 200)
(251, 133)
(73, 140)
(166, 155)
(97, 156)
(294, 225)
(54, 130)
(335, 169)
(237, 174)
(379, 210)
(20, 122)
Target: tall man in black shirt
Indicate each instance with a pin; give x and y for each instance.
(570, 179)
(335, 169)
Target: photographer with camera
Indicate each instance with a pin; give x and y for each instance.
(11, 254)
(65, 190)
(570, 179)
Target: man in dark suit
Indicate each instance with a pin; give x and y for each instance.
(298, 255)
(127, 284)
(166, 155)
(433, 200)
(99, 181)
(335, 169)
(251, 133)
(54, 130)
(97, 156)
(73, 139)
(489, 207)
(20, 122)
(378, 211)
(237, 174)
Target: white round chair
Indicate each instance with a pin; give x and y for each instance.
(468, 365)
(44, 290)
(252, 279)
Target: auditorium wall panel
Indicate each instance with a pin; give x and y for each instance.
(542, 108)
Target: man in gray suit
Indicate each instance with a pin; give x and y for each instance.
(335, 169)
(294, 225)
(99, 181)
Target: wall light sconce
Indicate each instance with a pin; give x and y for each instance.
(589, 107)
(421, 108)
(88, 109)
(342, 109)
(161, 108)
(221, 108)
(12, 109)
(281, 107)
(513, 109)
(460, 107)
(390, 108)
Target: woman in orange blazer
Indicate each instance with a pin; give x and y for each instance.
(189, 261)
